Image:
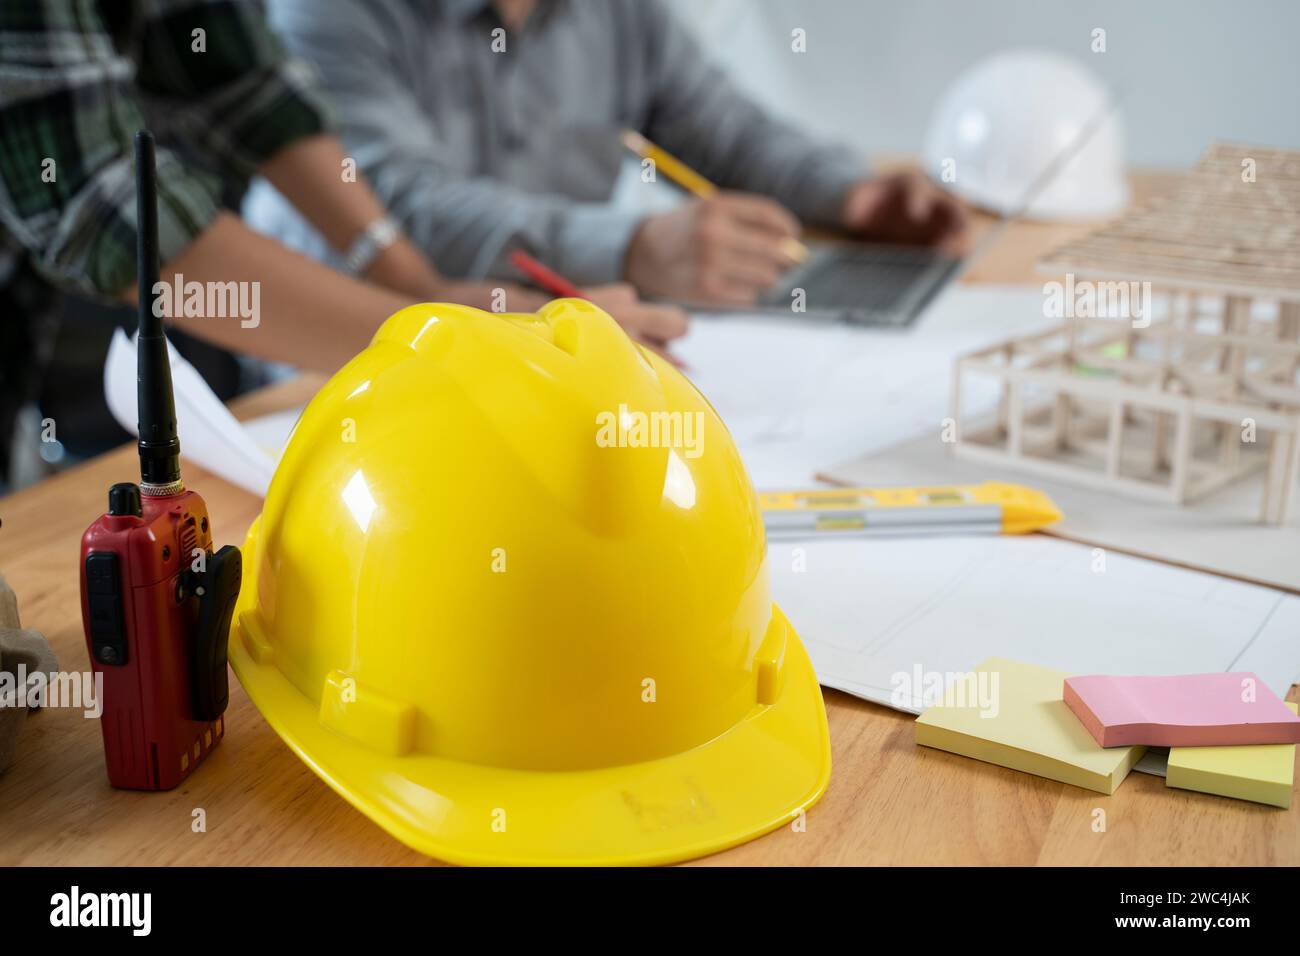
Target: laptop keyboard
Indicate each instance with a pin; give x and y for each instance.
(872, 284)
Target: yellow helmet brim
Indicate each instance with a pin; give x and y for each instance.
(760, 774)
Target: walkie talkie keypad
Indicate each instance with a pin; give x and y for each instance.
(104, 597)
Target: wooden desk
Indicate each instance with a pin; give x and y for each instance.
(889, 801)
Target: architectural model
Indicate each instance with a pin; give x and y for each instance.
(1174, 371)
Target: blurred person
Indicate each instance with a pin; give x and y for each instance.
(225, 101)
(479, 121)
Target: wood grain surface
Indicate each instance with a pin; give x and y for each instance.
(889, 801)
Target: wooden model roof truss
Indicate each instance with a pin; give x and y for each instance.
(1204, 389)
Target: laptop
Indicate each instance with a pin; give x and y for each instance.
(863, 284)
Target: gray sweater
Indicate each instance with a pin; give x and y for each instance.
(476, 151)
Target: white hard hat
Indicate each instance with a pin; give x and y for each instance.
(1010, 118)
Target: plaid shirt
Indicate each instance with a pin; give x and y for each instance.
(79, 77)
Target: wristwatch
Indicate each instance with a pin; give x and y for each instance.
(372, 240)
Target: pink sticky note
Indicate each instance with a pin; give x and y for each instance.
(1187, 710)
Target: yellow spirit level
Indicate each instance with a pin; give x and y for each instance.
(990, 508)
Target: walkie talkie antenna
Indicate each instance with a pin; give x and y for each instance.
(160, 449)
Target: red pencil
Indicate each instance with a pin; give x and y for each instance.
(548, 279)
(556, 284)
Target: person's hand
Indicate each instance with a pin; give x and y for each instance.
(654, 326)
(725, 249)
(906, 207)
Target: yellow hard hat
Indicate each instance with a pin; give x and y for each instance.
(508, 596)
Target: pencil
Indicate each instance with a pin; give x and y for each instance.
(545, 278)
(689, 179)
(554, 283)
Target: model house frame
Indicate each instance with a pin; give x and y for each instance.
(1175, 370)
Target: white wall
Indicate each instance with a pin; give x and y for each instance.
(1190, 71)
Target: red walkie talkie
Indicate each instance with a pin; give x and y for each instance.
(155, 601)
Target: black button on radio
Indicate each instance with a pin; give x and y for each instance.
(104, 597)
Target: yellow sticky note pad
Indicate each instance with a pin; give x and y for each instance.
(1262, 773)
(1014, 715)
